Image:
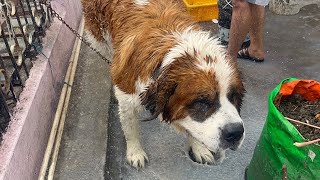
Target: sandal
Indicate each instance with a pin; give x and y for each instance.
(244, 54)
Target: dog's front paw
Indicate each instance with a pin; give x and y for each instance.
(137, 157)
(199, 153)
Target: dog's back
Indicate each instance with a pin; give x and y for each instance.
(122, 17)
(131, 22)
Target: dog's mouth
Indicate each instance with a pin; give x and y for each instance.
(233, 147)
(222, 146)
(210, 149)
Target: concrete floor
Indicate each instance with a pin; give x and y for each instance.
(84, 141)
(93, 144)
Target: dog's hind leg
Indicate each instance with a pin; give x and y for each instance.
(129, 113)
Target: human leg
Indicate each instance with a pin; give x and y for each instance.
(256, 31)
(240, 24)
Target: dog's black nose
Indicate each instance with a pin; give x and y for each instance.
(232, 132)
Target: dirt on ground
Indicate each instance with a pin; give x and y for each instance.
(297, 108)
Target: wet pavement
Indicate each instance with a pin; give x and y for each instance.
(292, 44)
(84, 142)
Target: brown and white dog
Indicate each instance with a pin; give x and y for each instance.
(163, 62)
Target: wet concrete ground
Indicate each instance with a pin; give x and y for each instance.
(83, 148)
(292, 44)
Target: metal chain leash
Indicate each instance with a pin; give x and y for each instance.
(81, 38)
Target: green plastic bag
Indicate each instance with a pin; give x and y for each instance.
(275, 148)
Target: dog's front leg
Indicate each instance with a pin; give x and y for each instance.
(128, 112)
(199, 153)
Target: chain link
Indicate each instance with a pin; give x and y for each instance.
(81, 38)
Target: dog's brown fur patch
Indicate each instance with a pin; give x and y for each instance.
(181, 78)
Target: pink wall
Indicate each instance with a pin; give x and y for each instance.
(23, 147)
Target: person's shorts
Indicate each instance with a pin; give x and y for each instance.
(259, 2)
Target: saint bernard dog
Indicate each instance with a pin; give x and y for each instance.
(163, 62)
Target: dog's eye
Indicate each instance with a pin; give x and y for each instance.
(201, 109)
(201, 104)
(235, 98)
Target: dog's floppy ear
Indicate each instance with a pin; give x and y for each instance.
(157, 96)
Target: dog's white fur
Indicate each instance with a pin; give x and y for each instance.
(129, 110)
(141, 2)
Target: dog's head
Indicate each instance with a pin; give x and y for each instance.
(201, 94)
